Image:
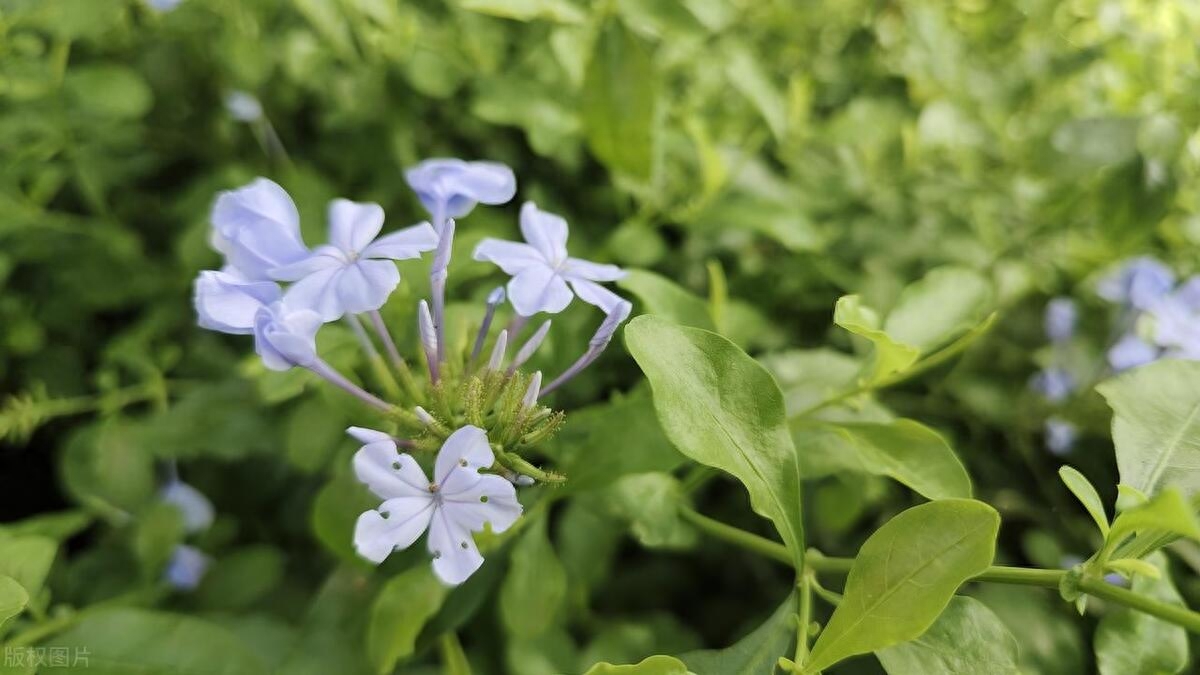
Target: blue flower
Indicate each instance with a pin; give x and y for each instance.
(1060, 318)
(1056, 384)
(450, 188)
(243, 106)
(460, 500)
(354, 273)
(197, 511)
(1175, 321)
(1060, 436)
(285, 338)
(257, 227)
(186, 568)
(541, 269)
(1138, 283)
(1131, 351)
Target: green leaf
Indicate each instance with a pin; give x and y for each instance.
(967, 639)
(903, 450)
(654, 665)
(332, 634)
(945, 303)
(664, 297)
(723, 409)
(123, 641)
(27, 560)
(404, 604)
(1086, 493)
(159, 530)
(890, 356)
(650, 502)
(109, 90)
(754, 654)
(620, 92)
(1129, 642)
(13, 598)
(58, 525)
(904, 576)
(1152, 525)
(747, 76)
(240, 579)
(454, 659)
(536, 585)
(1156, 425)
(561, 11)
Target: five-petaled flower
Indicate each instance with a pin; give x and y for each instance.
(354, 272)
(450, 188)
(542, 269)
(459, 500)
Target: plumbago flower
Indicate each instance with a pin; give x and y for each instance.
(1162, 320)
(473, 422)
(458, 501)
(542, 269)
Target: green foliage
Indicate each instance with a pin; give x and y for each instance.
(966, 638)
(1156, 426)
(398, 613)
(903, 450)
(755, 653)
(904, 576)
(654, 665)
(1136, 644)
(722, 409)
(536, 584)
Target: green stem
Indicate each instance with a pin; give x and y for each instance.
(805, 615)
(998, 574)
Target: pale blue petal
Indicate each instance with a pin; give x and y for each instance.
(322, 258)
(318, 292)
(455, 556)
(1131, 352)
(461, 457)
(538, 289)
(546, 232)
(451, 187)
(226, 303)
(409, 242)
(510, 256)
(583, 269)
(285, 338)
(258, 228)
(377, 535)
(366, 285)
(353, 225)
(388, 473)
(491, 500)
(596, 295)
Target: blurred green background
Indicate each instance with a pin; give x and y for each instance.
(768, 155)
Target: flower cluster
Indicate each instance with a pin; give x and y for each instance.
(1160, 318)
(480, 417)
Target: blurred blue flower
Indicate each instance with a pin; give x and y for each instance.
(1060, 318)
(1138, 283)
(243, 106)
(1055, 383)
(197, 511)
(450, 188)
(541, 268)
(257, 227)
(1130, 352)
(1060, 435)
(285, 337)
(353, 273)
(228, 303)
(1176, 321)
(164, 5)
(186, 568)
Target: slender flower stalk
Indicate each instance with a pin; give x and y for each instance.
(327, 372)
(437, 281)
(494, 300)
(360, 334)
(528, 349)
(596, 346)
(516, 325)
(385, 337)
(429, 339)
